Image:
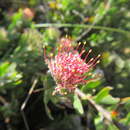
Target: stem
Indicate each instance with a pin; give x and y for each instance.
(69, 25)
(100, 109)
(25, 103)
(3, 100)
(104, 112)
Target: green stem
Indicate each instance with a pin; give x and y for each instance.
(106, 114)
(100, 109)
(68, 25)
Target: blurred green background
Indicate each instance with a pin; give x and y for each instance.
(27, 26)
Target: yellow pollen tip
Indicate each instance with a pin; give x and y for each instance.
(90, 50)
(65, 93)
(83, 51)
(89, 74)
(79, 43)
(66, 36)
(73, 70)
(99, 55)
(78, 59)
(51, 54)
(98, 62)
(84, 43)
(91, 59)
(53, 93)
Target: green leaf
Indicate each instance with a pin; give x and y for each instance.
(91, 85)
(128, 119)
(4, 68)
(16, 20)
(103, 93)
(9, 76)
(109, 100)
(46, 100)
(78, 105)
(126, 101)
(106, 58)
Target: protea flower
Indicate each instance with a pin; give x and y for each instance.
(68, 69)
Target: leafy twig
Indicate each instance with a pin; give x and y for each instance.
(97, 19)
(69, 25)
(105, 113)
(25, 103)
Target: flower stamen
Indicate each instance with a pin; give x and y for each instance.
(68, 68)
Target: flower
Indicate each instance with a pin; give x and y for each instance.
(28, 13)
(67, 68)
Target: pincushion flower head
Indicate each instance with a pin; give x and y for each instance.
(67, 68)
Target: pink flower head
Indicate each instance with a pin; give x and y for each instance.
(67, 67)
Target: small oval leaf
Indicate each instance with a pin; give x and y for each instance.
(78, 105)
